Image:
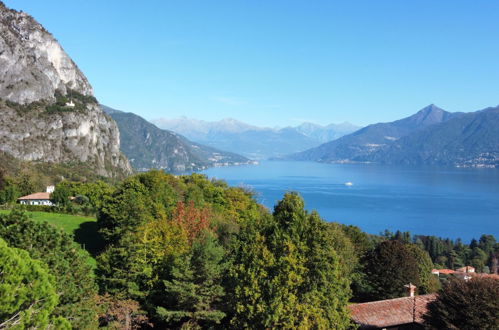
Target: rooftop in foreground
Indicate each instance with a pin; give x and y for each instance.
(391, 312)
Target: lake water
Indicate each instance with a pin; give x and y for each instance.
(431, 201)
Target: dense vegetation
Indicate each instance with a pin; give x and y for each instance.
(446, 253)
(189, 252)
(472, 304)
(27, 294)
(19, 178)
(66, 261)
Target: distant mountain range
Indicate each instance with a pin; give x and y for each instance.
(432, 136)
(252, 141)
(148, 146)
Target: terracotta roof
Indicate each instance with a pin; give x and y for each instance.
(446, 271)
(390, 312)
(39, 195)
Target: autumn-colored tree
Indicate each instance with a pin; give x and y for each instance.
(121, 314)
(193, 220)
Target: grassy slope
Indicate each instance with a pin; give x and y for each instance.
(84, 229)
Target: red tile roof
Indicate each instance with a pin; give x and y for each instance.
(446, 271)
(39, 195)
(386, 313)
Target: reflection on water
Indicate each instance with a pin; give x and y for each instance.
(444, 202)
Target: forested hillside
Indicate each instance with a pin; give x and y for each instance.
(189, 252)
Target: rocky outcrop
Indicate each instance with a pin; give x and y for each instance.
(32, 63)
(36, 77)
(90, 137)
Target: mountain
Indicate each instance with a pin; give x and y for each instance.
(467, 140)
(326, 133)
(37, 80)
(253, 141)
(359, 145)
(148, 146)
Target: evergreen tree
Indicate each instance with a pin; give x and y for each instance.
(27, 293)
(66, 262)
(389, 267)
(191, 290)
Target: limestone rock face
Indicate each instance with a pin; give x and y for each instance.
(32, 63)
(33, 70)
(90, 137)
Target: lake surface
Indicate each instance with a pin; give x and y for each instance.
(431, 201)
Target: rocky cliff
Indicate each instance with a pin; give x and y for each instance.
(37, 81)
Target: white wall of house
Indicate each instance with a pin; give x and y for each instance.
(36, 202)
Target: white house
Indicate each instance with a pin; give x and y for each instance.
(39, 198)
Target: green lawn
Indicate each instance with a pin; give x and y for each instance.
(83, 229)
(69, 223)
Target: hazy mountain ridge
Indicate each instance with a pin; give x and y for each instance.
(148, 146)
(36, 77)
(432, 136)
(467, 140)
(253, 141)
(368, 140)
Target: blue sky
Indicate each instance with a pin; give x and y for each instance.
(277, 63)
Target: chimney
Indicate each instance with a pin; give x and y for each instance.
(411, 289)
(50, 189)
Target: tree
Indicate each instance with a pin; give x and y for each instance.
(346, 251)
(389, 267)
(286, 273)
(66, 261)
(472, 304)
(27, 294)
(61, 194)
(191, 290)
(25, 184)
(10, 192)
(121, 314)
(428, 282)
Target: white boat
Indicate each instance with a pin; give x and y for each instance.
(348, 184)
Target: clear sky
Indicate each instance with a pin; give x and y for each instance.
(281, 62)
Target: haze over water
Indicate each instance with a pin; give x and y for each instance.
(446, 202)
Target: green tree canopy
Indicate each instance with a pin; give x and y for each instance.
(389, 267)
(428, 282)
(286, 273)
(27, 293)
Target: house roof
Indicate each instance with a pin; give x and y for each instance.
(39, 195)
(390, 312)
(445, 271)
